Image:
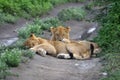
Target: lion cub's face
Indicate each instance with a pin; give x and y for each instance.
(32, 41)
(60, 33)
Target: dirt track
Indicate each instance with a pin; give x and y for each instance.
(50, 68)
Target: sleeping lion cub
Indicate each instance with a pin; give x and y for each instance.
(57, 48)
(61, 33)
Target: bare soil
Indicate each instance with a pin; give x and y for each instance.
(51, 68)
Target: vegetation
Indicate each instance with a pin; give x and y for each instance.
(38, 26)
(55, 2)
(11, 57)
(90, 5)
(76, 0)
(26, 31)
(3, 69)
(7, 18)
(28, 53)
(109, 38)
(33, 8)
(71, 14)
(46, 23)
(10, 10)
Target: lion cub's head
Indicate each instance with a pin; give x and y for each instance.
(59, 33)
(33, 41)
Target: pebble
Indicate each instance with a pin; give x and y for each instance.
(104, 74)
(76, 64)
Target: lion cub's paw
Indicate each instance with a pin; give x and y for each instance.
(63, 56)
(66, 40)
(41, 52)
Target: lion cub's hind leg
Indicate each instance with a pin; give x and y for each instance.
(79, 57)
(44, 49)
(87, 55)
(84, 56)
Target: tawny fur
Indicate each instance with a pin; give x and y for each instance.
(61, 33)
(56, 48)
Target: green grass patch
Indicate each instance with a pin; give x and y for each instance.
(76, 0)
(30, 28)
(11, 57)
(3, 69)
(38, 26)
(46, 23)
(36, 7)
(111, 61)
(10, 10)
(23, 8)
(109, 39)
(28, 53)
(90, 5)
(7, 18)
(56, 2)
(113, 76)
(76, 13)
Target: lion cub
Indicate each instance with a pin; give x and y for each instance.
(57, 48)
(61, 33)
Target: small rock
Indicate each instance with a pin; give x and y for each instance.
(104, 74)
(91, 30)
(76, 64)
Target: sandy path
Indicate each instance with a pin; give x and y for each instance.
(49, 68)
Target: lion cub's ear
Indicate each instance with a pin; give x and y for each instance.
(68, 28)
(52, 29)
(32, 35)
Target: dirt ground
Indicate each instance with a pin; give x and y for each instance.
(50, 68)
